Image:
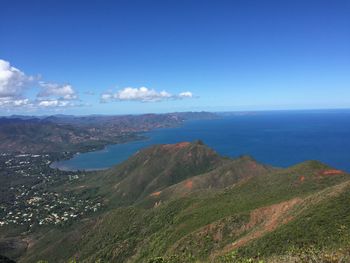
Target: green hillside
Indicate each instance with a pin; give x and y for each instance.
(153, 169)
(185, 203)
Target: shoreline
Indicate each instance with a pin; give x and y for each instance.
(139, 136)
(71, 155)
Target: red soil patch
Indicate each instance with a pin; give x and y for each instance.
(176, 146)
(156, 193)
(253, 165)
(263, 220)
(302, 178)
(182, 144)
(332, 172)
(189, 184)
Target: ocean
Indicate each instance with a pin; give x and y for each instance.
(280, 138)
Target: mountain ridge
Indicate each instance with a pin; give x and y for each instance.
(184, 202)
(65, 133)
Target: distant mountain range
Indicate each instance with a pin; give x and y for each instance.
(58, 133)
(185, 203)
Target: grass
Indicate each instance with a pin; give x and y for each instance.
(198, 226)
(325, 226)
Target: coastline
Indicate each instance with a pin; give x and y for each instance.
(138, 137)
(56, 164)
(256, 135)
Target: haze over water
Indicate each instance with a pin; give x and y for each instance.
(276, 138)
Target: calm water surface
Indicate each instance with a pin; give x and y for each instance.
(277, 138)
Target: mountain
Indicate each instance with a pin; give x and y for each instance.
(161, 166)
(186, 203)
(40, 136)
(228, 173)
(142, 121)
(59, 133)
(151, 170)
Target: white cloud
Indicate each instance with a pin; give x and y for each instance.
(13, 102)
(21, 102)
(51, 103)
(186, 94)
(56, 90)
(105, 97)
(14, 83)
(12, 80)
(48, 103)
(57, 103)
(142, 94)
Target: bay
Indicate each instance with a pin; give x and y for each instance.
(280, 138)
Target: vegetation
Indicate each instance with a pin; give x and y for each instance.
(60, 133)
(185, 203)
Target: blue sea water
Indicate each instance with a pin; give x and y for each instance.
(276, 138)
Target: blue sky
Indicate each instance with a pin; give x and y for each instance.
(86, 57)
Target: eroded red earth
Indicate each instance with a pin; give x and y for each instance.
(176, 146)
(331, 172)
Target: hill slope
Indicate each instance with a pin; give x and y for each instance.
(234, 209)
(153, 169)
(60, 133)
(41, 136)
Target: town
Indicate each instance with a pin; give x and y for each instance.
(30, 199)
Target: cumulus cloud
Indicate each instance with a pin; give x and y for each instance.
(142, 94)
(15, 86)
(14, 102)
(186, 94)
(56, 90)
(105, 97)
(54, 103)
(14, 83)
(12, 80)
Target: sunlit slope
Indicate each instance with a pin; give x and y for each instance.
(237, 205)
(154, 169)
(226, 175)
